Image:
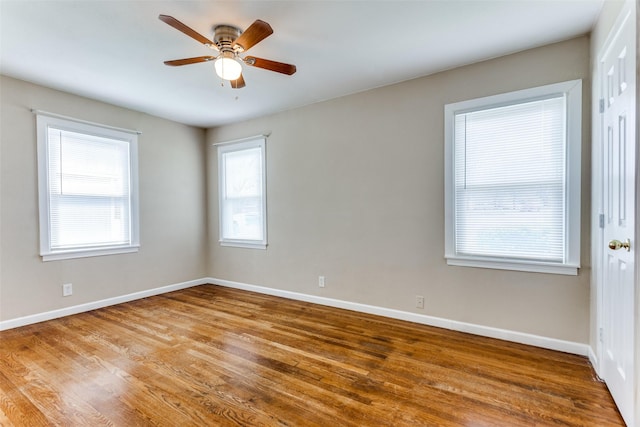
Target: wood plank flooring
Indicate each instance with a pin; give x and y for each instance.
(212, 356)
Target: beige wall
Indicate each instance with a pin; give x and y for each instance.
(172, 207)
(355, 193)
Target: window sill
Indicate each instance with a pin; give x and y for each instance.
(515, 265)
(85, 253)
(248, 244)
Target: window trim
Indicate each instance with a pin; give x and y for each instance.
(43, 122)
(239, 145)
(573, 92)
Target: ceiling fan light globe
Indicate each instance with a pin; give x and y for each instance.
(227, 68)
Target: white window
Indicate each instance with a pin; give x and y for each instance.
(242, 193)
(87, 182)
(512, 180)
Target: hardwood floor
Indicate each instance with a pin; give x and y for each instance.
(212, 356)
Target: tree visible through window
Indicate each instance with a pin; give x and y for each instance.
(241, 169)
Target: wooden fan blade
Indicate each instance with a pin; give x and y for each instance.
(187, 61)
(186, 30)
(278, 67)
(253, 35)
(239, 83)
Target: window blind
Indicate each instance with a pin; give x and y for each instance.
(89, 190)
(510, 169)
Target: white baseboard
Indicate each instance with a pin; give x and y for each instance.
(594, 362)
(67, 311)
(503, 334)
(486, 331)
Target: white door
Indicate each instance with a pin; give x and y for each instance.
(617, 74)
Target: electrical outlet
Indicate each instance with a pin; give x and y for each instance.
(321, 281)
(67, 289)
(419, 301)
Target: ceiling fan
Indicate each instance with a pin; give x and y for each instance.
(230, 41)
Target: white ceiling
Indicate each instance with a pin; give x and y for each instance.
(113, 50)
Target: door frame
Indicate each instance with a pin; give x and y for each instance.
(637, 234)
(597, 203)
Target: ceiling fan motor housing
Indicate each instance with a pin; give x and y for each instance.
(224, 36)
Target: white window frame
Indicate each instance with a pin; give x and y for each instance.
(43, 122)
(573, 92)
(234, 146)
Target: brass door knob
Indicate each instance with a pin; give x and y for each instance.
(617, 244)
